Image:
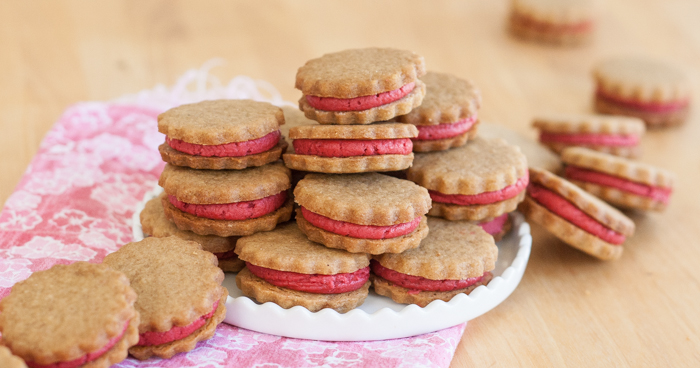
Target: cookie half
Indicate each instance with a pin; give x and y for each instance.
(80, 314)
(617, 135)
(362, 213)
(180, 297)
(575, 216)
(361, 86)
(537, 155)
(618, 181)
(560, 22)
(482, 180)
(222, 134)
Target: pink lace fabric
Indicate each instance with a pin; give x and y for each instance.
(75, 203)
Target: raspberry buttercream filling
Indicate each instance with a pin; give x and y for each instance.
(317, 284)
(233, 149)
(482, 198)
(151, 338)
(360, 231)
(585, 139)
(231, 254)
(352, 147)
(233, 211)
(495, 226)
(359, 103)
(87, 358)
(444, 131)
(569, 212)
(660, 194)
(646, 106)
(417, 284)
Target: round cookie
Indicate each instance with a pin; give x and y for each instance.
(448, 115)
(455, 258)
(537, 156)
(284, 267)
(180, 297)
(482, 180)
(618, 181)
(361, 86)
(80, 314)
(227, 202)
(222, 134)
(559, 22)
(362, 213)
(653, 91)
(7, 360)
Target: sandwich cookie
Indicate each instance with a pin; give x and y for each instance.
(362, 213)
(336, 149)
(155, 223)
(69, 316)
(562, 22)
(361, 86)
(227, 202)
(617, 135)
(653, 91)
(448, 115)
(284, 267)
(222, 134)
(455, 258)
(7, 360)
(537, 155)
(618, 181)
(180, 297)
(575, 216)
(476, 182)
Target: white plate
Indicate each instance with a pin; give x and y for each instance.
(379, 318)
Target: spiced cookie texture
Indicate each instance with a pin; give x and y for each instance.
(180, 297)
(361, 86)
(537, 156)
(80, 314)
(558, 22)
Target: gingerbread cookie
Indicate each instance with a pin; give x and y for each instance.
(77, 315)
(560, 22)
(537, 156)
(361, 86)
(180, 297)
(362, 213)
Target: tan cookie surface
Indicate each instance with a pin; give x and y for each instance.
(263, 292)
(433, 145)
(453, 250)
(364, 199)
(220, 121)
(653, 119)
(622, 151)
(478, 212)
(537, 156)
(347, 165)
(359, 72)
(641, 79)
(175, 157)
(89, 305)
(7, 360)
(589, 124)
(380, 130)
(448, 99)
(287, 249)
(483, 165)
(422, 298)
(224, 186)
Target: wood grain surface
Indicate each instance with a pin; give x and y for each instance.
(570, 309)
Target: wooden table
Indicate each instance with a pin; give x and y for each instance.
(570, 310)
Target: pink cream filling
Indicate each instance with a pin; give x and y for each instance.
(317, 284)
(234, 149)
(660, 194)
(416, 284)
(360, 231)
(482, 198)
(656, 107)
(569, 212)
(359, 103)
(443, 131)
(231, 254)
(495, 226)
(233, 211)
(352, 147)
(151, 338)
(590, 139)
(85, 358)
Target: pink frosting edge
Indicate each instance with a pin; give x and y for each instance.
(656, 193)
(233, 211)
(506, 193)
(446, 130)
(150, 338)
(360, 231)
(359, 103)
(233, 149)
(315, 283)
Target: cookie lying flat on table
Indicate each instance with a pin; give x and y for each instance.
(337, 149)
(362, 213)
(537, 155)
(653, 91)
(222, 134)
(156, 224)
(575, 216)
(227, 202)
(620, 182)
(7, 360)
(77, 315)
(481, 180)
(455, 258)
(563, 22)
(617, 135)
(361, 86)
(180, 297)
(448, 115)
(284, 267)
